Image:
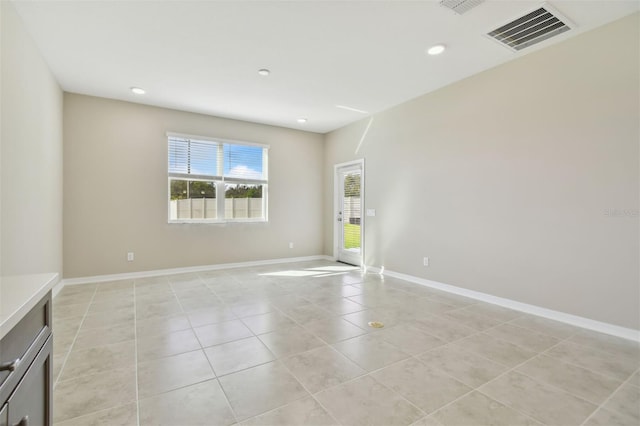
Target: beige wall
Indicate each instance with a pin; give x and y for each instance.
(115, 191)
(503, 180)
(31, 155)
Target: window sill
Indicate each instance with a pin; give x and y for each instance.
(215, 222)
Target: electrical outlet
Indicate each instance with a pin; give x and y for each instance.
(425, 261)
(290, 245)
(130, 256)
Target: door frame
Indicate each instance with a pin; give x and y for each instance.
(334, 212)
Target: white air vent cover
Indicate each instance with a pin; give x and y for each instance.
(532, 28)
(460, 6)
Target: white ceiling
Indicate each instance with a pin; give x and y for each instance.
(203, 56)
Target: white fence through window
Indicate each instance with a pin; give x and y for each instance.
(206, 208)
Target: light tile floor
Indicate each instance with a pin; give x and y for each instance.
(290, 344)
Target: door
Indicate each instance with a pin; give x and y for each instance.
(349, 223)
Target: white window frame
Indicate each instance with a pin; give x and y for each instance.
(219, 181)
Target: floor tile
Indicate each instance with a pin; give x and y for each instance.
(124, 415)
(604, 417)
(58, 360)
(607, 343)
(110, 295)
(238, 355)
(215, 334)
(200, 404)
(69, 311)
(341, 306)
(369, 352)
(153, 326)
(426, 306)
(364, 317)
(576, 380)
(469, 368)
(333, 329)
(200, 292)
(149, 297)
(210, 315)
(119, 285)
(242, 310)
(478, 409)
(542, 402)
(99, 359)
(260, 389)
(165, 374)
(409, 339)
(425, 387)
(364, 401)
(160, 309)
(543, 325)
(594, 360)
(496, 350)
(305, 411)
(635, 379)
(290, 341)
(443, 328)
(494, 311)
(166, 344)
(265, 323)
(108, 319)
(92, 337)
(198, 303)
(83, 298)
(307, 313)
(185, 280)
(522, 337)
(100, 305)
(288, 301)
(83, 395)
(451, 299)
(625, 401)
(427, 421)
(321, 368)
(78, 289)
(471, 319)
(64, 333)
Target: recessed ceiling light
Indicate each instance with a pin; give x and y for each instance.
(264, 72)
(138, 91)
(302, 120)
(436, 50)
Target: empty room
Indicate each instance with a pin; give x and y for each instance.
(320, 213)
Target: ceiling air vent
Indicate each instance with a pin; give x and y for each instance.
(460, 6)
(532, 28)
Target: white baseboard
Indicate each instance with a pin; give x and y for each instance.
(602, 327)
(159, 272)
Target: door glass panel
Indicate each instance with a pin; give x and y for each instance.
(351, 211)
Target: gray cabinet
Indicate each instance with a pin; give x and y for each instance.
(26, 369)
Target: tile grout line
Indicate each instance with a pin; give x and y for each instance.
(279, 360)
(513, 369)
(135, 337)
(216, 377)
(607, 399)
(66, 358)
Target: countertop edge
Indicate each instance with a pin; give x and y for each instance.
(8, 321)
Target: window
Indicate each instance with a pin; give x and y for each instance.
(216, 181)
